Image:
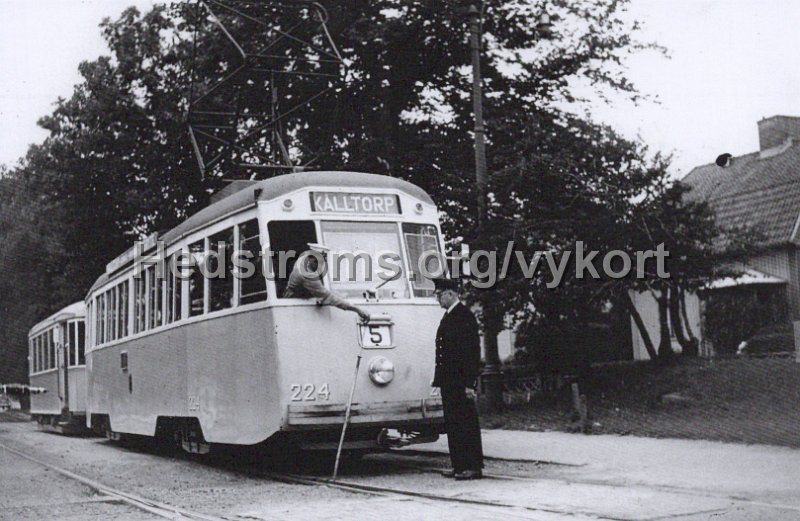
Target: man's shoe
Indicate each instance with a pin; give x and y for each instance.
(468, 474)
(449, 473)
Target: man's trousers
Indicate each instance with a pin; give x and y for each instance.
(463, 429)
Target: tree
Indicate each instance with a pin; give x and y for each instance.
(118, 164)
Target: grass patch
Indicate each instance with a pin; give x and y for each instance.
(733, 400)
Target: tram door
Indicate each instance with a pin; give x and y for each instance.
(62, 348)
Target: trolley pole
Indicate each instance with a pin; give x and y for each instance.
(491, 373)
(346, 419)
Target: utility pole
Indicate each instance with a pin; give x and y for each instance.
(491, 373)
(492, 323)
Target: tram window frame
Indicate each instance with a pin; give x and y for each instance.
(169, 291)
(71, 345)
(179, 283)
(278, 232)
(81, 335)
(154, 298)
(253, 288)
(100, 321)
(407, 230)
(111, 314)
(51, 350)
(36, 354)
(220, 289)
(358, 238)
(122, 309)
(139, 303)
(196, 280)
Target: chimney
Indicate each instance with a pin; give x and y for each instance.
(774, 131)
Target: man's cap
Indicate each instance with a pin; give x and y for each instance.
(318, 247)
(442, 284)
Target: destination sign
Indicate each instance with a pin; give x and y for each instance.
(349, 202)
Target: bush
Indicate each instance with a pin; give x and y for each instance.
(775, 338)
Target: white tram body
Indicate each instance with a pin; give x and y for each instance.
(56, 364)
(230, 361)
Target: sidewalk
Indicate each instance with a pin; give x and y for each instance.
(754, 472)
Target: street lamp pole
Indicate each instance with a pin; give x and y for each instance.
(491, 373)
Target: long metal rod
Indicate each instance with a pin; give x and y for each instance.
(346, 419)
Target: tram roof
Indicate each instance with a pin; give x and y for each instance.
(275, 187)
(285, 184)
(74, 310)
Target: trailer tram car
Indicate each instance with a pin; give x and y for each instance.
(56, 362)
(230, 361)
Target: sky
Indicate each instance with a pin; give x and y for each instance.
(732, 63)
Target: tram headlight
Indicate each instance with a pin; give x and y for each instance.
(381, 370)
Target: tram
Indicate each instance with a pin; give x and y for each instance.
(56, 365)
(229, 360)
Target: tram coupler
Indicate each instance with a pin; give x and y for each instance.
(386, 441)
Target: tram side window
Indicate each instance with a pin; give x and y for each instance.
(51, 349)
(139, 289)
(254, 287)
(40, 354)
(196, 280)
(100, 319)
(122, 310)
(173, 290)
(111, 307)
(36, 355)
(81, 343)
(71, 346)
(154, 298)
(220, 270)
(288, 239)
(89, 311)
(422, 241)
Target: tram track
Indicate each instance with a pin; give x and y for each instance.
(358, 482)
(156, 508)
(626, 486)
(363, 488)
(509, 510)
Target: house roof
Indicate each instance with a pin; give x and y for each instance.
(760, 190)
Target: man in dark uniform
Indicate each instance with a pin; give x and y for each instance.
(458, 355)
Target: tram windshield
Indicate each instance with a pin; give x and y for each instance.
(355, 265)
(422, 243)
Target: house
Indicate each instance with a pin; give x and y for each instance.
(761, 191)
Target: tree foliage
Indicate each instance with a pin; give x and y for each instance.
(118, 164)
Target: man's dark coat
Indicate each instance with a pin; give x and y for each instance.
(458, 349)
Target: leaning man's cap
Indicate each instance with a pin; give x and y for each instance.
(443, 284)
(318, 247)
